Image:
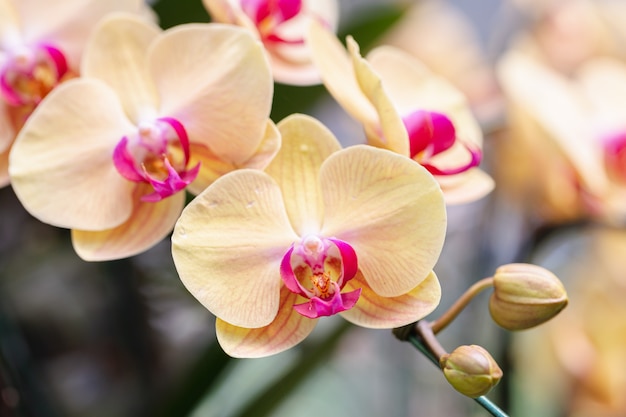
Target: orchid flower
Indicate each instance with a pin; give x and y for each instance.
(281, 25)
(577, 126)
(407, 109)
(40, 46)
(155, 113)
(322, 231)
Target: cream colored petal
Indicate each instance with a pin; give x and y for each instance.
(376, 312)
(293, 72)
(68, 23)
(9, 24)
(604, 83)
(559, 108)
(148, 224)
(228, 245)
(212, 167)
(225, 96)
(61, 164)
(116, 54)
(389, 131)
(223, 11)
(412, 86)
(337, 74)
(466, 187)
(285, 331)
(306, 143)
(390, 210)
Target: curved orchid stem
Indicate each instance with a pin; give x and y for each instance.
(422, 337)
(458, 306)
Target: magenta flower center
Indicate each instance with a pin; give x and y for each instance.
(269, 15)
(318, 269)
(431, 134)
(30, 74)
(615, 156)
(157, 154)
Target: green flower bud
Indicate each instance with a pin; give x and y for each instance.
(525, 296)
(471, 370)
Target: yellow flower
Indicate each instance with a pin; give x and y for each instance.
(323, 231)
(107, 155)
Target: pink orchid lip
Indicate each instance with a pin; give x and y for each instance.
(268, 15)
(432, 133)
(317, 259)
(147, 157)
(615, 155)
(39, 69)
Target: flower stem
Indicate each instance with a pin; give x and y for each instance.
(458, 306)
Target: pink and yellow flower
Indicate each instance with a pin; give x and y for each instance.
(40, 46)
(322, 231)
(110, 154)
(406, 108)
(281, 25)
(574, 131)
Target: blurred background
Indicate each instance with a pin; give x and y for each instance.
(125, 338)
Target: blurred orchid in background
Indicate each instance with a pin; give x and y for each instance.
(406, 108)
(119, 144)
(281, 26)
(40, 46)
(354, 231)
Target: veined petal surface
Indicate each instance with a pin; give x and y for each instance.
(67, 23)
(287, 330)
(116, 54)
(376, 312)
(147, 225)
(390, 210)
(228, 245)
(337, 73)
(61, 164)
(225, 96)
(306, 143)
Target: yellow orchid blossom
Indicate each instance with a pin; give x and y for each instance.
(322, 231)
(107, 155)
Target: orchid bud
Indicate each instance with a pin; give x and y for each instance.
(525, 296)
(471, 370)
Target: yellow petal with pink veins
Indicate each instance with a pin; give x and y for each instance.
(377, 312)
(224, 98)
(392, 214)
(148, 224)
(61, 164)
(228, 245)
(287, 330)
(116, 54)
(306, 143)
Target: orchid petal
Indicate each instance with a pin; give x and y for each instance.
(147, 225)
(9, 23)
(225, 96)
(336, 71)
(228, 244)
(554, 103)
(390, 210)
(389, 132)
(61, 164)
(7, 132)
(412, 86)
(68, 23)
(287, 330)
(377, 312)
(466, 187)
(116, 54)
(306, 143)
